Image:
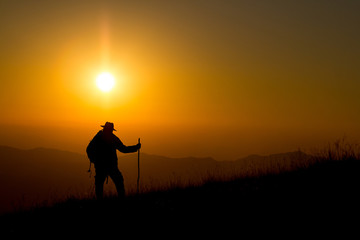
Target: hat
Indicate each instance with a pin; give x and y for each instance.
(109, 125)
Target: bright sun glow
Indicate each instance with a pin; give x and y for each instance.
(105, 81)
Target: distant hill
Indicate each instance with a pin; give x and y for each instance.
(284, 156)
(32, 176)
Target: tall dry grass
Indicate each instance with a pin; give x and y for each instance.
(254, 167)
(341, 149)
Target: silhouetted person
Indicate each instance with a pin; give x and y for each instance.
(102, 151)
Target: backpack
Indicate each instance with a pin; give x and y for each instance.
(92, 153)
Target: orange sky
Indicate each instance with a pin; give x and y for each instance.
(200, 78)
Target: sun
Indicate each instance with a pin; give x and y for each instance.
(105, 81)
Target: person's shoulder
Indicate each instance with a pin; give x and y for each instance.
(115, 138)
(99, 133)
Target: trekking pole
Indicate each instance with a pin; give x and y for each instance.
(138, 179)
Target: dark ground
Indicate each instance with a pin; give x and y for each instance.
(323, 197)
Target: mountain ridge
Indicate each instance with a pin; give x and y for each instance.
(45, 149)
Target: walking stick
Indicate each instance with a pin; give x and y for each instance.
(138, 179)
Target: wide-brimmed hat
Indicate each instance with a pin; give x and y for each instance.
(109, 125)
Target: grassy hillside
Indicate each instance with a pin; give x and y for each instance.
(323, 192)
(30, 177)
(326, 192)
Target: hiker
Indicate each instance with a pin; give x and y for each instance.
(102, 152)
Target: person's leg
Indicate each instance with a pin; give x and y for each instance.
(118, 179)
(99, 183)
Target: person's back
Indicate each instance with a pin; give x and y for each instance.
(105, 148)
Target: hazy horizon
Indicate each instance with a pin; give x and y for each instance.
(122, 155)
(221, 79)
(35, 140)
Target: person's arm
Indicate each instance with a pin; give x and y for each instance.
(126, 149)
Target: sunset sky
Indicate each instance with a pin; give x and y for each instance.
(219, 78)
